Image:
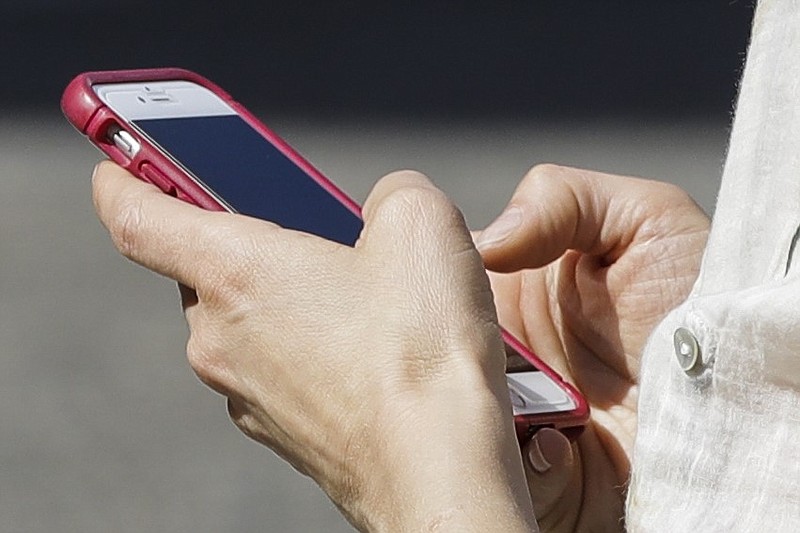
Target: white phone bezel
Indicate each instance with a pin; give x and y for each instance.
(141, 100)
(539, 392)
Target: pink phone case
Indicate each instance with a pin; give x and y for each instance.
(92, 117)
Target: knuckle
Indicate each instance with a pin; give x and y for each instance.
(546, 172)
(551, 179)
(672, 192)
(550, 191)
(417, 204)
(207, 361)
(407, 175)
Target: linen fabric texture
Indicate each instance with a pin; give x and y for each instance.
(718, 448)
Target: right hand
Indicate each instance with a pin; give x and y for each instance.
(585, 266)
(370, 369)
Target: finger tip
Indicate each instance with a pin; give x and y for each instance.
(503, 228)
(499, 259)
(549, 449)
(107, 176)
(107, 169)
(100, 175)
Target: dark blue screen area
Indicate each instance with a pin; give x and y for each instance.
(251, 175)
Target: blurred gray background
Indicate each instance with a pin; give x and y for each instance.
(103, 427)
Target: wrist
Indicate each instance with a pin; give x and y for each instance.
(449, 460)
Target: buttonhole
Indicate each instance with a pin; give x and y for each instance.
(792, 248)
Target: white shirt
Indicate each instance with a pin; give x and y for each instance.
(718, 446)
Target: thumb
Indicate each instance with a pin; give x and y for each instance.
(405, 208)
(555, 209)
(553, 473)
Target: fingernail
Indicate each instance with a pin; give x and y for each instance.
(548, 448)
(501, 228)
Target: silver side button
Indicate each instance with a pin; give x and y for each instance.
(125, 142)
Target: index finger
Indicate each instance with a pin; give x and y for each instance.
(555, 209)
(155, 230)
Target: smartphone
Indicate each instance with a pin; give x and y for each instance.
(182, 133)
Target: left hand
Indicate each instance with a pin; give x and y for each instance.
(585, 265)
(376, 370)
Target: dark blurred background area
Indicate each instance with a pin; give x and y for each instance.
(536, 59)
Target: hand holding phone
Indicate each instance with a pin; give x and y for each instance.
(182, 133)
(387, 398)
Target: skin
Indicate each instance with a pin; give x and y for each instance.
(592, 266)
(347, 365)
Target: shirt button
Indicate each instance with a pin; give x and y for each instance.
(687, 350)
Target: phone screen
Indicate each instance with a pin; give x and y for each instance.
(251, 175)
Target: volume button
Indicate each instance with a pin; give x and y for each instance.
(154, 176)
(182, 196)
